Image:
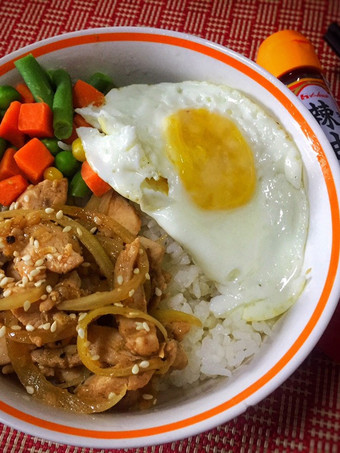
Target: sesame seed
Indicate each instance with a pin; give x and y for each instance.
(34, 273)
(111, 395)
(2, 331)
(49, 256)
(7, 293)
(146, 326)
(147, 276)
(86, 264)
(43, 297)
(158, 292)
(54, 326)
(136, 270)
(93, 230)
(81, 332)
(139, 325)
(30, 328)
(27, 305)
(45, 326)
(97, 220)
(26, 257)
(131, 293)
(24, 280)
(154, 401)
(16, 205)
(5, 281)
(31, 241)
(82, 316)
(59, 215)
(48, 288)
(147, 396)
(67, 229)
(36, 244)
(29, 389)
(72, 315)
(135, 369)
(26, 198)
(79, 232)
(118, 304)
(144, 364)
(95, 357)
(120, 279)
(39, 262)
(16, 327)
(141, 251)
(39, 283)
(87, 344)
(15, 253)
(49, 210)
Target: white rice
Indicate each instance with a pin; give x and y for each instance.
(222, 344)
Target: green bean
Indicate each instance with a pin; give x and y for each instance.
(66, 163)
(3, 146)
(52, 145)
(62, 104)
(101, 82)
(36, 79)
(8, 94)
(78, 187)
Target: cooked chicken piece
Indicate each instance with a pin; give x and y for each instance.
(178, 329)
(102, 386)
(109, 345)
(139, 340)
(155, 251)
(68, 287)
(4, 359)
(44, 195)
(117, 207)
(66, 357)
(32, 316)
(58, 250)
(175, 353)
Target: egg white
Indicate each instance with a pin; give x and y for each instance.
(254, 252)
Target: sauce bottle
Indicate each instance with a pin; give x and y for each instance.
(291, 57)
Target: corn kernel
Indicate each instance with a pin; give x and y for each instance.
(78, 150)
(52, 173)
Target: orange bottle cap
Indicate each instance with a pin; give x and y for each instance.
(285, 51)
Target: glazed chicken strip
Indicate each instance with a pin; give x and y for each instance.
(44, 195)
(141, 338)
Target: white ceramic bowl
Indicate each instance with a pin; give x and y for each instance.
(133, 55)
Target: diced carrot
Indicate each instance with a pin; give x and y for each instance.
(93, 181)
(9, 125)
(36, 119)
(79, 121)
(11, 188)
(8, 166)
(85, 94)
(25, 92)
(33, 159)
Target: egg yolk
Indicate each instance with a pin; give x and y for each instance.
(213, 160)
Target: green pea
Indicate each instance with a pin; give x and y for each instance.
(52, 145)
(3, 146)
(66, 163)
(78, 187)
(8, 94)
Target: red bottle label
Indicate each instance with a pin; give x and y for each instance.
(314, 94)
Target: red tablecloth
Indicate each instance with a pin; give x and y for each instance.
(303, 415)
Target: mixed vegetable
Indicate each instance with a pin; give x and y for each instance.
(38, 138)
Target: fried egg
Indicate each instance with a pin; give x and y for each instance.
(219, 175)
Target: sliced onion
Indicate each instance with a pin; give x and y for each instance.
(166, 316)
(36, 384)
(116, 370)
(18, 300)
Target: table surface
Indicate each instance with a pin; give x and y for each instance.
(303, 415)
